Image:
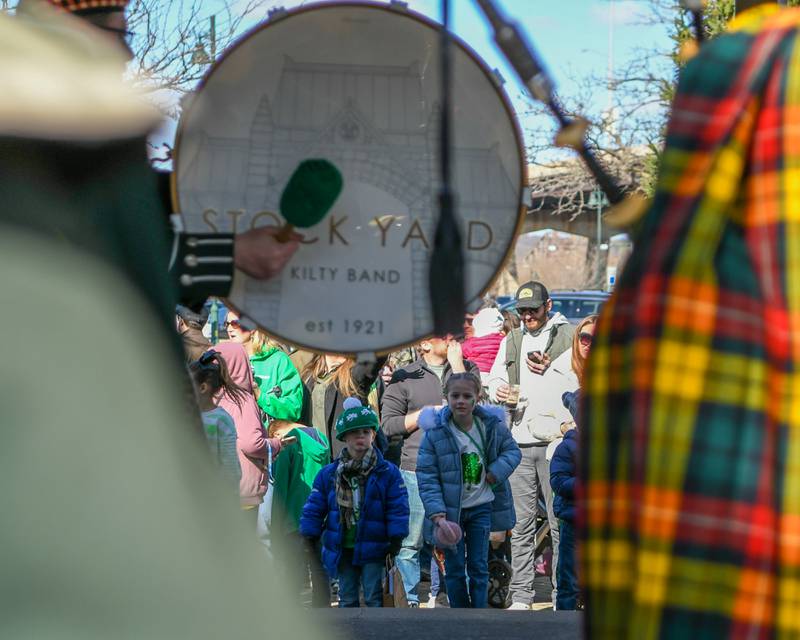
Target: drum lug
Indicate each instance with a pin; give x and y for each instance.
(398, 5)
(275, 14)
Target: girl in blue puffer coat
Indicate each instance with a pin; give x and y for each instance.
(463, 466)
(359, 506)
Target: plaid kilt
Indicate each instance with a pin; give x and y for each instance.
(689, 504)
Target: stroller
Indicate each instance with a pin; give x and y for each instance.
(500, 570)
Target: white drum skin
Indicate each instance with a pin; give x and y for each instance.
(356, 84)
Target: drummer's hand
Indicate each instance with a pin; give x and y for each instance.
(260, 255)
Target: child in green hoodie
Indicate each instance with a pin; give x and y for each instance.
(294, 472)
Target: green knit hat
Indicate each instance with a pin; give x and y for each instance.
(355, 416)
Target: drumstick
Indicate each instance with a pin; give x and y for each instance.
(309, 195)
(523, 58)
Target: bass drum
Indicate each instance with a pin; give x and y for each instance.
(356, 84)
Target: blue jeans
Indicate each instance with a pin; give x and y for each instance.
(408, 559)
(568, 590)
(476, 523)
(369, 577)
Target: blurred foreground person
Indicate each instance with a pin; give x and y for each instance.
(124, 530)
(690, 432)
(125, 219)
(72, 157)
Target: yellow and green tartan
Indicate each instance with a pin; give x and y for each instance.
(690, 498)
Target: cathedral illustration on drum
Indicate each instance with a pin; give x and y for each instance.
(374, 124)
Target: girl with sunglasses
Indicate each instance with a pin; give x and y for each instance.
(212, 379)
(279, 390)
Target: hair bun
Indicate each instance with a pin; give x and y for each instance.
(351, 403)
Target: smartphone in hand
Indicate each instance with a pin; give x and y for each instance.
(536, 356)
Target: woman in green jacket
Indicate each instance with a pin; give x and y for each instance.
(279, 388)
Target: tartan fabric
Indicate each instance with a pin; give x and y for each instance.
(689, 508)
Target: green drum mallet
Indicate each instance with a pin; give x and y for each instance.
(309, 195)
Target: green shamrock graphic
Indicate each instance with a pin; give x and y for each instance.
(472, 468)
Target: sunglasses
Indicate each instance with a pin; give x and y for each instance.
(232, 323)
(586, 339)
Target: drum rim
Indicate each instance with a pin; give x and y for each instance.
(431, 24)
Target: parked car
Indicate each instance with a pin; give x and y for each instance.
(574, 305)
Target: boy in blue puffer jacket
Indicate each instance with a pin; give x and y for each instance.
(466, 457)
(359, 505)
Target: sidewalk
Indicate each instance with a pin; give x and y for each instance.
(470, 624)
(542, 601)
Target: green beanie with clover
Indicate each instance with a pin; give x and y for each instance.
(355, 416)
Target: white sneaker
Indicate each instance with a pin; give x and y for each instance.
(431, 604)
(519, 606)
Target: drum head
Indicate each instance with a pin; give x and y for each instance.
(358, 85)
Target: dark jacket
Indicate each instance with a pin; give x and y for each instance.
(195, 344)
(562, 476)
(413, 387)
(364, 375)
(384, 515)
(439, 472)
